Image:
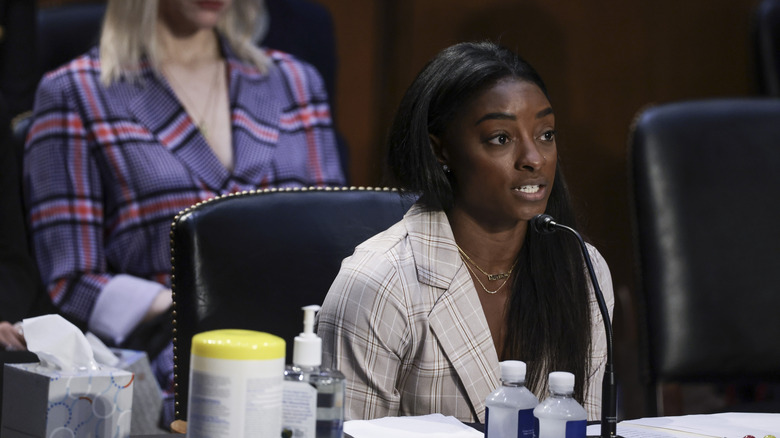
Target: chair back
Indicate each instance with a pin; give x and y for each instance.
(253, 260)
(766, 43)
(62, 32)
(705, 187)
(67, 31)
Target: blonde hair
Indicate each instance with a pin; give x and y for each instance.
(129, 34)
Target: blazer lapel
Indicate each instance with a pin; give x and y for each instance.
(257, 102)
(157, 108)
(456, 319)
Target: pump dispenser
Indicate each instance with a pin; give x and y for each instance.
(313, 397)
(307, 347)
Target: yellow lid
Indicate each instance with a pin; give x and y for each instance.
(238, 345)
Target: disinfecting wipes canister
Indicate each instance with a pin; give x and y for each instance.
(235, 385)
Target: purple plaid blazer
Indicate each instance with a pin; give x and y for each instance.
(107, 168)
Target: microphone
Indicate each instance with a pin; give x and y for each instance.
(545, 224)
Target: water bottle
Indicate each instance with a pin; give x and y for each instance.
(560, 416)
(509, 409)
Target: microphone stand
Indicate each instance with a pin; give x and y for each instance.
(544, 224)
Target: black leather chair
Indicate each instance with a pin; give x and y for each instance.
(67, 31)
(766, 41)
(62, 32)
(705, 186)
(253, 260)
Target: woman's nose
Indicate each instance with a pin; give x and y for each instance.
(529, 157)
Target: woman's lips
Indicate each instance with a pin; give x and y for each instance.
(530, 192)
(210, 5)
(528, 188)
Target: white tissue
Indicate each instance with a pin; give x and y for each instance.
(59, 344)
(103, 354)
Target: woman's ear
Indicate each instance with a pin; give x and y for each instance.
(438, 151)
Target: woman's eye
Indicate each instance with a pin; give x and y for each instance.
(548, 136)
(500, 139)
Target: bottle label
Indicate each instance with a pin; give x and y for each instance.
(233, 398)
(525, 423)
(299, 410)
(330, 428)
(576, 429)
(487, 421)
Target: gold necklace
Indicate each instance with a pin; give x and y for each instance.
(200, 123)
(491, 292)
(491, 277)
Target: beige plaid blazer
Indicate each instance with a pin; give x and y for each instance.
(403, 322)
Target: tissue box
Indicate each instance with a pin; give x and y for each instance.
(147, 397)
(40, 402)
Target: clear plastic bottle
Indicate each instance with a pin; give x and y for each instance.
(313, 397)
(560, 415)
(509, 409)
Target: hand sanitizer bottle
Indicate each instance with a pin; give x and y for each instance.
(313, 397)
(509, 409)
(560, 416)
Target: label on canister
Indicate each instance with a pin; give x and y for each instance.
(235, 385)
(299, 409)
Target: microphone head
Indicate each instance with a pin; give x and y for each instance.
(543, 224)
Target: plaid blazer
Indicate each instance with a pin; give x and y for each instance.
(403, 322)
(107, 168)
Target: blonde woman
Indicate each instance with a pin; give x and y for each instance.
(176, 105)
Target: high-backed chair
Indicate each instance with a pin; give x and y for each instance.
(66, 31)
(253, 260)
(705, 186)
(62, 32)
(766, 42)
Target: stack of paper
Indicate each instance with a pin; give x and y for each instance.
(423, 426)
(728, 425)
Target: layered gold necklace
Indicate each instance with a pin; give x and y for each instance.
(492, 277)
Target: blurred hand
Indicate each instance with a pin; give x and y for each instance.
(11, 337)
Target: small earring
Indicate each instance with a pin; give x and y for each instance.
(446, 168)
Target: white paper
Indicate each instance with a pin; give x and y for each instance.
(637, 431)
(726, 425)
(59, 344)
(427, 426)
